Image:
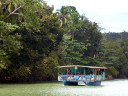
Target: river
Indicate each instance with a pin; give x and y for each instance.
(118, 87)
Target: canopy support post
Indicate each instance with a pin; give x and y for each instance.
(84, 70)
(58, 71)
(95, 75)
(67, 71)
(75, 71)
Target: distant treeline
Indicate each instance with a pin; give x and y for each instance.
(113, 36)
(34, 40)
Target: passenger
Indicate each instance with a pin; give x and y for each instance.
(71, 73)
(61, 74)
(78, 73)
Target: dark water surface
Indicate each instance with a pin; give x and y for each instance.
(109, 88)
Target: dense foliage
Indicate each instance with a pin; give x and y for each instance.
(114, 53)
(30, 34)
(34, 40)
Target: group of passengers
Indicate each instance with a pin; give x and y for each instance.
(78, 73)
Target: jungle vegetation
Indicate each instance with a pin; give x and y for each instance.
(34, 40)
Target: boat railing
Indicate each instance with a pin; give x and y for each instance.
(86, 78)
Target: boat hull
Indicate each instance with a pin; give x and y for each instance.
(96, 83)
(70, 83)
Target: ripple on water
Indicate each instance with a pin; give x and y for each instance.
(109, 88)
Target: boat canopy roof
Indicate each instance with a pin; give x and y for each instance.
(71, 66)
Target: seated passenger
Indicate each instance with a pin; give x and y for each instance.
(76, 77)
(78, 73)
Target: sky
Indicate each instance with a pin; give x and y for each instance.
(111, 15)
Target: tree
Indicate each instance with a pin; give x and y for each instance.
(73, 51)
(84, 32)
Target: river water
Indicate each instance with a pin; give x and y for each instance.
(117, 87)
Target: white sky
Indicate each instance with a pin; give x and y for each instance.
(109, 14)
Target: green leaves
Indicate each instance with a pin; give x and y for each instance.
(113, 71)
(74, 50)
(8, 43)
(22, 72)
(7, 27)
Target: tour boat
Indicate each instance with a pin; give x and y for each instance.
(72, 74)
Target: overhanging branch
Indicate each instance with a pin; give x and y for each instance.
(13, 12)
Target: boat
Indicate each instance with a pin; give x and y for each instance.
(73, 74)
